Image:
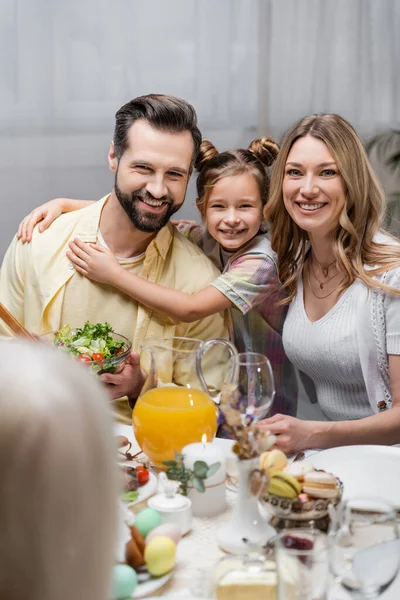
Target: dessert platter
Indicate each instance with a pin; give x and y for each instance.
(298, 491)
(198, 560)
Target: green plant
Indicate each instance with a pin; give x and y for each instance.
(177, 471)
(387, 147)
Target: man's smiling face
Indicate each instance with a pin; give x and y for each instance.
(151, 176)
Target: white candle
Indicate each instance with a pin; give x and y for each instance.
(208, 453)
(213, 500)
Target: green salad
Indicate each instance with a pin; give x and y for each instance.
(91, 343)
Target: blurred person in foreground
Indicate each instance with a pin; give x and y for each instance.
(341, 273)
(58, 504)
(156, 141)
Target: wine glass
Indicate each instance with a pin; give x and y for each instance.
(302, 564)
(253, 380)
(364, 547)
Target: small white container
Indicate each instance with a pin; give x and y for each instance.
(172, 507)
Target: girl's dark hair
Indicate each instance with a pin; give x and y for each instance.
(167, 113)
(213, 166)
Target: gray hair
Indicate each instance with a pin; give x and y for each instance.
(58, 478)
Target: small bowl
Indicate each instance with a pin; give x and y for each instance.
(112, 364)
(176, 510)
(293, 509)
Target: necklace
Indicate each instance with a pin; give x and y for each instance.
(322, 283)
(312, 291)
(325, 270)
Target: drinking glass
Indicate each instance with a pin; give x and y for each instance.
(364, 546)
(302, 564)
(253, 380)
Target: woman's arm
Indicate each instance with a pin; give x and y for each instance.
(47, 213)
(294, 434)
(100, 264)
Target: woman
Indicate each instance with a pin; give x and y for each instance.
(59, 485)
(341, 273)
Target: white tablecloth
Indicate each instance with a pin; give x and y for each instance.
(198, 553)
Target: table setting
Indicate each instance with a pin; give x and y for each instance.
(198, 553)
(254, 523)
(210, 508)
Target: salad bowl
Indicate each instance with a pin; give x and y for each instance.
(95, 345)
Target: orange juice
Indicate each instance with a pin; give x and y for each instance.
(165, 419)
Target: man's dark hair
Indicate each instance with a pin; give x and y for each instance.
(167, 113)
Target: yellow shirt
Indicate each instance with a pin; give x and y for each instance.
(82, 298)
(34, 279)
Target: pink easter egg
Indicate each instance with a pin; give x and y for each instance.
(168, 530)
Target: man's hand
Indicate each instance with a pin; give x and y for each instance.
(292, 435)
(127, 383)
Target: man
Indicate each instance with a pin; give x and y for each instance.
(155, 142)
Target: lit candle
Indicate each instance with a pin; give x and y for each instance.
(213, 501)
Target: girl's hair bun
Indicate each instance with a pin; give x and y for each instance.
(207, 152)
(265, 149)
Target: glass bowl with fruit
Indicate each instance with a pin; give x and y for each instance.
(297, 491)
(95, 345)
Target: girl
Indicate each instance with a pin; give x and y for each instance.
(341, 273)
(232, 189)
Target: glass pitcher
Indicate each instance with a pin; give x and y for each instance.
(177, 405)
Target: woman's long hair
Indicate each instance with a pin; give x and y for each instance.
(359, 221)
(58, 501)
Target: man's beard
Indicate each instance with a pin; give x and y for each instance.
(144, 221)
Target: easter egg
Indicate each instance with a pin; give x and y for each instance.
(124, 581)
(146, 520)
(168, 530)
(159, 555)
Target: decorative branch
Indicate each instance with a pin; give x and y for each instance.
(176, 471)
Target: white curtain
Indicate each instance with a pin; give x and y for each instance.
(338, 56)
(71, 64)
(66, 66)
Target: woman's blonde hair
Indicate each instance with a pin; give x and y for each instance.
(213, 166)
(58, 478)
(359, 221)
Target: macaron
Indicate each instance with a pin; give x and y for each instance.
(284, 485)
(273, 461)
(299, 469)
(320, 484)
